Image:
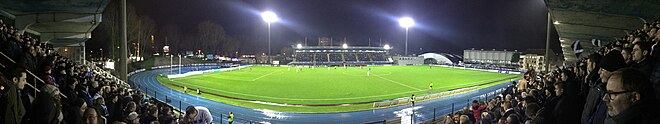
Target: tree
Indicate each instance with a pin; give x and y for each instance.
(210, 36)
(288, 51)
(173, 35)
(139, 30)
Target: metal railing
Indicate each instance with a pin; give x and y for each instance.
(36, 78)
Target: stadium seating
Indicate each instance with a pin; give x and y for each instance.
(79, 85)
(534, 100)
(338, 58)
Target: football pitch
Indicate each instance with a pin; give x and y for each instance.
(322, 89)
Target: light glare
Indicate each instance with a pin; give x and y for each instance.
(387, 47)
(269, 16)
(406, 22)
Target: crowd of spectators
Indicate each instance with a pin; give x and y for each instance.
(619, 84)
(63, 91)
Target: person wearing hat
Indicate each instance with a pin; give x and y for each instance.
(48, 103)
(133, 118)
(595, 109)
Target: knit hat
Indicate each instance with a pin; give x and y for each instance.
(51, 90)
(132, 116)
(612, 61)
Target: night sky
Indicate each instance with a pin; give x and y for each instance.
(448, 26)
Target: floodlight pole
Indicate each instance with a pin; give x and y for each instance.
(406, 53)
(269, 58)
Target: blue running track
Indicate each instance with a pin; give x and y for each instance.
(146, 81)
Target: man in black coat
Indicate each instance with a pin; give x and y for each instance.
(630, 99)
(594, 108)
(641, 54)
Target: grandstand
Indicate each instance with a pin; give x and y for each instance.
(338, 55)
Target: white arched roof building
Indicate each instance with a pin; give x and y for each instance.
(442, 58)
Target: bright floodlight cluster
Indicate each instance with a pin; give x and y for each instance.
(299, 46)
(269, 16)
(406, 22)
(387, 47)
(344, 46)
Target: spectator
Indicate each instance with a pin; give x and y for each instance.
(594, 109)
(486, 118)
(150, 115)
(197, 115)
(464, 119)
(507, 109)
(166, 116)
(114, 108)
(133, 118)
(563, 111)
(101, 108)
(91, 117)
(49, 106)
(12, 107)
(130, 108)
(75, 111)
(477, 108)
(630, 99)
(640, 54)
(448, 119)
(627, 55)
(513, 119)
(532, 113)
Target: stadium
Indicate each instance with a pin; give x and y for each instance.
(329, 62)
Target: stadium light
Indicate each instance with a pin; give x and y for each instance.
(299, 46)
(344, 46)
(406, 22)
(387, 47)
(269, 17)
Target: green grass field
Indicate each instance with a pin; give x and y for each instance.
(322, 90)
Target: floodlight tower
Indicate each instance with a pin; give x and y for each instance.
(269, 17)
(406, 22)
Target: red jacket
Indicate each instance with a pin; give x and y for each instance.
(476, 110)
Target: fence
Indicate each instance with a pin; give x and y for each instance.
(436, 113)
(180, 105)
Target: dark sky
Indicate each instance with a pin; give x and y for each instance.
(441, 26)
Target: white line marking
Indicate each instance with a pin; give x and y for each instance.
(395, 82)
(330, 99)
(265, 75)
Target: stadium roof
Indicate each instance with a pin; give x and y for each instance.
(604, 20)
(60, 23)
(443, 57)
